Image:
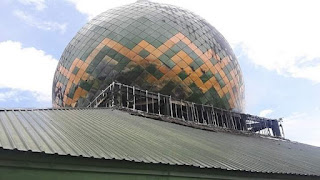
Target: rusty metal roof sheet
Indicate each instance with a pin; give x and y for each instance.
(113, 134)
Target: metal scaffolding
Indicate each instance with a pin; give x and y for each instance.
(135, 99)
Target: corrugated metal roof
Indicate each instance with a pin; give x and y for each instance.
(113, 134)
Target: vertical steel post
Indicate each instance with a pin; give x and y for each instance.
(182, 117)
(152, 103)
(207, 112)
(196, 113)
(147, 101)
(239, 122)
(213, 114)
(112, 91)
(232, 121)
(176, 109)
(280, 125)
(120, 99)
(170, 104)
(127, 96)
(134, 98)
(243, 121)
(159, 103)
(192, 112)
(250, 124)
(187, 109)
(222, 121)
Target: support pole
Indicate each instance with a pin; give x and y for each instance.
(134, 98)
(170, 106)
(147, 102)
(127, 96)
(159, 103)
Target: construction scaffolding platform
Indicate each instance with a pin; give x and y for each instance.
(135, 99)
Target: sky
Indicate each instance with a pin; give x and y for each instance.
(277, 44)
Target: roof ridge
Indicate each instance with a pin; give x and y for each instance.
(154, 117)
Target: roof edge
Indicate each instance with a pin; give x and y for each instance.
(16, 155)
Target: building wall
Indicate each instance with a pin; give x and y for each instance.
(48, 174)
(27, 165)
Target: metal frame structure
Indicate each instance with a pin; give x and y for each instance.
(135, 99)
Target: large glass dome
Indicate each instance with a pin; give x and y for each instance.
(158, 47)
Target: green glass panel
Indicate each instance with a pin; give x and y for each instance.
(183, 75)
(143, 53)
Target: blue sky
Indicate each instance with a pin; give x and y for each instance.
(277, 45)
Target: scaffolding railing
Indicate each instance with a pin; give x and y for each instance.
(135, 99)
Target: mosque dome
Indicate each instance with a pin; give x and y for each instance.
(157, 47)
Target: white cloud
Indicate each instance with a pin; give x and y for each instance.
(40, 24)
(38, 4)
(26, 69)
(4, 96)
(282, 36)
(265, 113)
(303, 127)
(94, 7)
